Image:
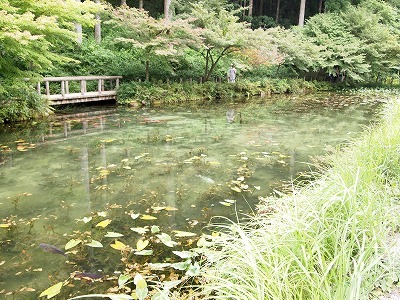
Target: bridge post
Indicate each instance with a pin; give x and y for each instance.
(83, 87)
(99, 86)
(63, 88)
(47, 88)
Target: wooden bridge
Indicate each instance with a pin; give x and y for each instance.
(79, 89)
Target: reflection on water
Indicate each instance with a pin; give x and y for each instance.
(172, 169)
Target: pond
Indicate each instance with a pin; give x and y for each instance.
(103, 190)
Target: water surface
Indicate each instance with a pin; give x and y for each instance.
(136, 168)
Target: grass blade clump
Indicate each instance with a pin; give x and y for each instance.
(328, 240)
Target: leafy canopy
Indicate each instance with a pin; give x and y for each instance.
(31, 30)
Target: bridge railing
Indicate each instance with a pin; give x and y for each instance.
(62, 91)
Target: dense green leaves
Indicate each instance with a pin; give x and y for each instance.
(31, 30)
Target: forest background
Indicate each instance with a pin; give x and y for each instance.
(278, 46)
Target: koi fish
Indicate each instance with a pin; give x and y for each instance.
(52, 249)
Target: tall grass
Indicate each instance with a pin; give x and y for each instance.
(328, 240)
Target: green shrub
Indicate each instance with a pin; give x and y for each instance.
(20, 101)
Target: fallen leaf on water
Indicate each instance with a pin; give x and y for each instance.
(148, 217)
(225, 203)
(141, 244)
(157, 208)
(104, 172)
(185, 254)
(104, 223)
(27, 289)
(166, 240)
(155, 229)
(72, 243)
(95, 244)
(86, 219)
(170, 208)
(118, 245)
(236, 189)
(113, 234)
(140, 230)
(135, 216)
(144, 252)
(179, 233)
(52, 291)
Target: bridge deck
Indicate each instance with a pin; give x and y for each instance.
(79, 98)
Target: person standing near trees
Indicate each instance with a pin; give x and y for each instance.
(232, 74)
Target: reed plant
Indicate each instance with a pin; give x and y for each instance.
(327, 240)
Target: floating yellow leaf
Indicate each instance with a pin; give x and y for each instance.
(148, 217)
(72, 243)
(179, 233)
(104, 223)
(52, 291)
(157, 208)
(127, 167)
(118, 245)
(104, 172)
(225, 203)
(236, 189)
(141, 244)
(4, 225)
(170, 208)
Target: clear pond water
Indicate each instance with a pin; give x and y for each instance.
(101, 176)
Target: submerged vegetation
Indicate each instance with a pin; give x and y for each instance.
(100, 198)
(332, 239)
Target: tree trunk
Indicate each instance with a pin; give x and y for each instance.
(147, 70)
(278, 7)
(140, 4)
(123, 2)
(78, 28)
(321, 6)
(167, 11)
(261, 11)
(251, 2)
(302, 12)
(97, 27)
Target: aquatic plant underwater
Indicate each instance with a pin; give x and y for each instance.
(93, 202)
